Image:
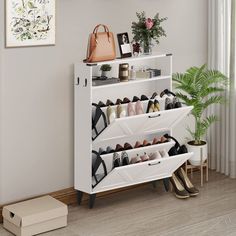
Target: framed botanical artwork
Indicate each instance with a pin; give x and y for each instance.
(30, 22)
(124, 45)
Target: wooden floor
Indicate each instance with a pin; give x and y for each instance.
(152, 212)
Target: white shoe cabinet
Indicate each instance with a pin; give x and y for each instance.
(127, 129)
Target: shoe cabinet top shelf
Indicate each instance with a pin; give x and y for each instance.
(130, 59)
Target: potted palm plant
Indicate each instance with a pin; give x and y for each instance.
(200, 87)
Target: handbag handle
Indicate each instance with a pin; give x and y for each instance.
(95, 31)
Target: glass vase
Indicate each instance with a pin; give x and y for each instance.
(147, 47)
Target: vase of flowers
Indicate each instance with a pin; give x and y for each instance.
(147, 30)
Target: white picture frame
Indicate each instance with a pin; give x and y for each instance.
(30, 23)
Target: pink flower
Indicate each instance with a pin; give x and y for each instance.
(149, 23)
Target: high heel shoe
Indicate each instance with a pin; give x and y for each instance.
(156, 106)
(102, 151)
(135, 160)
(110, 150)
(111, 114)
(186, 182)
(101, 104)
(176, 103)
(121, 112)
(124, 159)
(180, 191)
(130, 108)
(168, 104)
(118, 101)
(116, 160)
(119, 148)
(127, 146)
(144, 98)
(150, 107)
(135, 99)
(126, 100)
(146, 143)
(155, 141)
(154, 95)
(109, 103)
(139, 108)
(138, 145)
(144, 157)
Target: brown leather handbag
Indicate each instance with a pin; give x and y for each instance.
(101, 45)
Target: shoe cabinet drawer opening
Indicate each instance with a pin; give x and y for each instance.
(132, 140)
(143, 124)
(141, 172)
(132, 89)
(108, 158)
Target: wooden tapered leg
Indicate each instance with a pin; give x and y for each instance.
(166, 183)
(207, 170)
(79, 197)
(92, 198)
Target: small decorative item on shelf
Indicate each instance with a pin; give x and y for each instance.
(146, 30)
(136, 49)
(124, 45)
(105, 69)
(124, 72)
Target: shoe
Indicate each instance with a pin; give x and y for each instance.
(124, 159)
(102, 151)
(144, 98)
(164, 153)
(121, 112)
(135, 160)
(155, 141)
(127, 146)
(164, 140)
(155, 155)
(101, 104)
(139, 108)
(154, 95)
(146, 143)
(110, 150)
(176, 103)
(165, 92)
(118, 101)
(138, 145)
(119, 148)
(169, 104)
(130, 108)
(126, 100)
(116, 160)
(150, 107)
(135, 99)
(180, 191)
(145, 157)
(109, 103)
(156, 106)
(186, 182)
(111, 114)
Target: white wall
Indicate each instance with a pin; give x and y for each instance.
(36, 112)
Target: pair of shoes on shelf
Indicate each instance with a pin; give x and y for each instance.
(108, 150)
(136, 109)
(120, 160)
(183, 187)
(175, 103)
(153, 106)
(149, 157)
(113, 113)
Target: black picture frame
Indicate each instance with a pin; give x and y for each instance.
(124, 45)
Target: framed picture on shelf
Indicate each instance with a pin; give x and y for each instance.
(30, 23)
(124, 45)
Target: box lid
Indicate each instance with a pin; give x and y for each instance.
(34, 211)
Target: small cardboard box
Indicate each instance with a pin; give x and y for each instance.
(35, 216)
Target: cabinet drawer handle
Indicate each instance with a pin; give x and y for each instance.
(151, 117)
(85, 82)
(154, 164)
(77, 81)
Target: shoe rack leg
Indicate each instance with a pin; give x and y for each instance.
(201, 167)
(154, 184)
(79, 197)
(207, 174)
(166, 183)
(92, 198)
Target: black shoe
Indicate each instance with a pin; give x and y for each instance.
(186, 182)
(144, 98)
(176, 103)
(169, 104)
(126, 100)
(124, 159)
(180, 191)
(116, 160)
(101, 104)
(135, 99)
(118, 101)
(153, 95)
(150, 107)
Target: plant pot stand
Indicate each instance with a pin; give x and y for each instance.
(200, 167)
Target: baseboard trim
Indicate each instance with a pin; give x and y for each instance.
(69, 196)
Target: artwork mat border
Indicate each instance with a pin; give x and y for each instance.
(25, 46)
